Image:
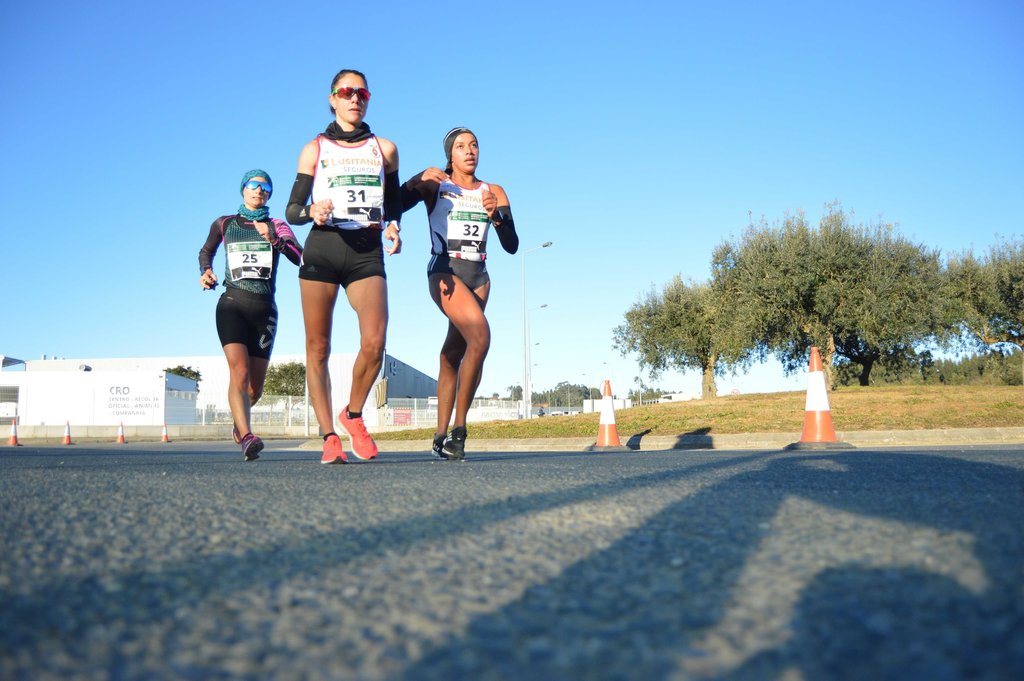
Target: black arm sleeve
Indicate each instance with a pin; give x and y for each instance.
(296, 212)
(291, 249)
(506, 230)
(410, 197)
(392, 198)
(209, 249)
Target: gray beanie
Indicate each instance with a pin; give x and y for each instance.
(449, 140)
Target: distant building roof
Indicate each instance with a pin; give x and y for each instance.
(11, 361)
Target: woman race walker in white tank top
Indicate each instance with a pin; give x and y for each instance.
(461, 209)
(352, 177)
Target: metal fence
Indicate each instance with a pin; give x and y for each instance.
(396, 414)
(271, 410)
(277, 411)
(406, 413)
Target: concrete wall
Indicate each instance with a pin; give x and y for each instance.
(54, 376)
(136, 398)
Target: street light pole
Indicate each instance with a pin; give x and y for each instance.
(527, 396)
(529, 355)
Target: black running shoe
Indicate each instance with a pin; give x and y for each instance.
(438, 447)
(455, 445)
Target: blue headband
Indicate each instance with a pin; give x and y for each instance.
(256, 172)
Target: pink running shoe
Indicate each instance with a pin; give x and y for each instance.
(363, 446)
(251, 447)
(333, 451)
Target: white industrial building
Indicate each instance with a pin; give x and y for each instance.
(137, 391)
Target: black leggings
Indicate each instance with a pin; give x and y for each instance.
(247, 318)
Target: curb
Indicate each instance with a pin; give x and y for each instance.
(858, 439)
(864, 439)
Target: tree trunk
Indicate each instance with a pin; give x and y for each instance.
(826, 361)
(1021, 346)
(708, 388)
(865, 371)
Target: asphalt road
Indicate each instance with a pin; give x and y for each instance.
(178, 561)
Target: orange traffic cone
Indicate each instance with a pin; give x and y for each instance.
(120, 434)
(164, 437)
(818, 430)
(13, 439)
(607, 433)
(67, 432)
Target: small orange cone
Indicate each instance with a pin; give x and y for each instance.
(67, 432)
(607, 433)
(164, 437)
(120, 434)
(818, 430)
(13, 439)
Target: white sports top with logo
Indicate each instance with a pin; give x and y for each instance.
(459, 223)
(353, 179)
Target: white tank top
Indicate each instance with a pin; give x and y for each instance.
(353, 178)
(459, 223)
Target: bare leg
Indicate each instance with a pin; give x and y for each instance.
(238, 386)
(318, 299)
(466, 348)
(452, 352)
(369, 298)
(257, 377)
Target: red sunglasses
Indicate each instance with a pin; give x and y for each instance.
(347, 92)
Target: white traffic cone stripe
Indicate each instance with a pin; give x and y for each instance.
(817, 396)
(607, 433)
(607, 412)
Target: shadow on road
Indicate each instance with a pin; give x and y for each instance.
(682, 611)
(793, 567)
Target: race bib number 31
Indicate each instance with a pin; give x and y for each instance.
(357, 198)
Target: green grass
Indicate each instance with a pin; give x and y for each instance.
(875, 408)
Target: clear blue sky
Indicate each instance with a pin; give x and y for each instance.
(634, 136)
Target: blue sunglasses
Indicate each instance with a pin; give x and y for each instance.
(256, 184)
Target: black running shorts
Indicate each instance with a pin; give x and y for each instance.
(342, 256)
(473, 273)
(247, 318)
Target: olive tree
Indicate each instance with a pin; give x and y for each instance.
(685, 326)
(186, 372)
(988, 294)
(288, 378)
(857, 293)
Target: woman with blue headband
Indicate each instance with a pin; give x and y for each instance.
(460, 210)
(246, 312)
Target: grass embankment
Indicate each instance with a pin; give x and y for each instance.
(881, 408)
